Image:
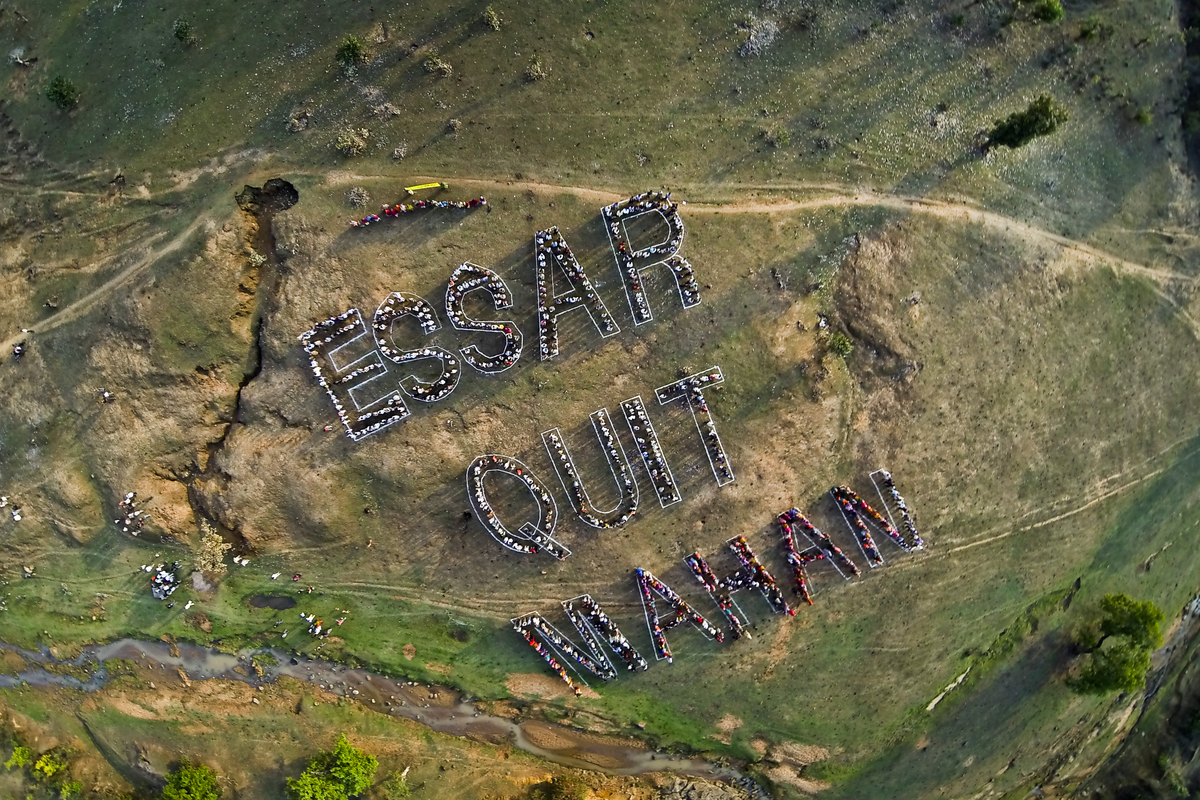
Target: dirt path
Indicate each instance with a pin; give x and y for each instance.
(77, 308)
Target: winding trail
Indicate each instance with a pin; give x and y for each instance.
(832, 195)
(77, 308)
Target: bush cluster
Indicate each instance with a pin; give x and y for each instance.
(62, 93)
(1042, 117)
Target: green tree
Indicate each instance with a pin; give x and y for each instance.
(50, 765)
(1041, 118)
(1140, 621)
(351, 51)
(1049, 11)
(62, 93)
(840, 344)
(1120, 667)
(191, 782)
(183, 31)
(314, 786)
(351, 767)
(338, 774)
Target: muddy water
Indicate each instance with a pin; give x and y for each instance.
(439, 708)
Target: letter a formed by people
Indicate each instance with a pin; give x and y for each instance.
(551, 254)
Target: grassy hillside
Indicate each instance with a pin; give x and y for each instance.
(1024, 325)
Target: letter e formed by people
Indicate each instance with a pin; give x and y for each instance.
(364, 403)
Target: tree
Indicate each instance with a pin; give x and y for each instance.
(50, 765)
(62, 93)
(1041, 118)
(351, 767)
(183, 31)
(1049, 11)
(351, 51)
(191, 782)
(1120, 667)
(492, 19)
(313, 786)
(338, 774)
(840, 344)
(213, 548)
(1140, 621)
(1132, 629)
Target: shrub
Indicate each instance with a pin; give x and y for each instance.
(62, 93)
(1144, 116)
(840, 345)
(435, 64)
(351, 51)
(491, 19)
(396, 786)
(49, 765)
(565, 787)
(353, 142)
(1049, 10)
(191, 782)
(1041, 118)
(71, 791)
(536, 71)
(1094, 28)
(213, 546)
(21, 757)
(183, 31)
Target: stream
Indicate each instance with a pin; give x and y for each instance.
(439, 708)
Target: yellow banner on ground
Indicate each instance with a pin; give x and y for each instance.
(411, 189)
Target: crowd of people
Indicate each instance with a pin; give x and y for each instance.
(692, 390)
(360, 424)
(569, 474)
(165, 581)
(756, 575)
(551, 248)
(131, 520)
(649, 586)
(652, 455)
(397, 209)
(854, 509)
(914, 539)
(627, 257)
(720, 592)
(467, 278)
(751, 575)
(527, 632)
(535, 539)
(588, 616)
(791, 522)
(397, 306)
(865, 541)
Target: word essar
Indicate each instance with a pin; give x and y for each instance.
(368, 378)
